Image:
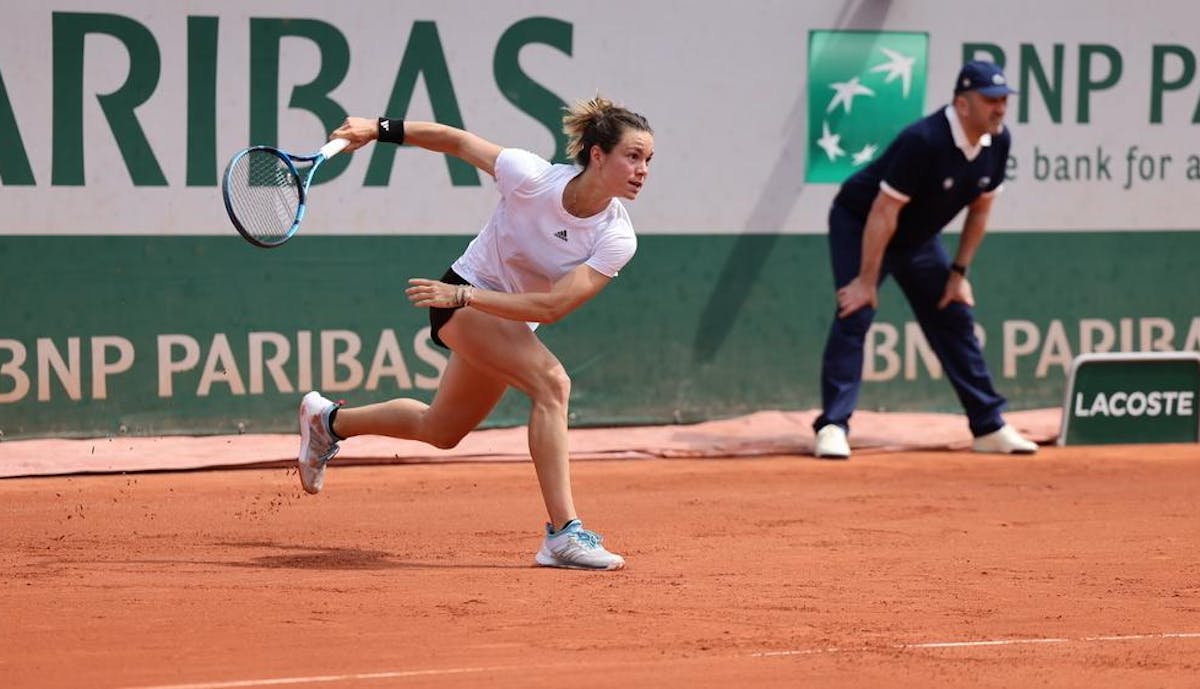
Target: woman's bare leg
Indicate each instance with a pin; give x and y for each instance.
(509, 351)
(464, 398)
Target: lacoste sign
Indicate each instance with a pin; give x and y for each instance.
(1132, 398)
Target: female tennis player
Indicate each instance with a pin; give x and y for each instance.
(559, 235)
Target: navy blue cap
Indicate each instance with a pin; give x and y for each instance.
(984, 77)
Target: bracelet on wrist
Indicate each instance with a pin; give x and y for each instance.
(463, 294)
(391, 131)
(958, 268)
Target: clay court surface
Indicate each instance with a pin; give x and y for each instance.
(1079, 567)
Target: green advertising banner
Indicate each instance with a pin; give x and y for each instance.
(863, 88)
(129, 305)
(148, 335)
(1132, 398)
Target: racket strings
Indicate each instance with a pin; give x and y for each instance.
(265, 195)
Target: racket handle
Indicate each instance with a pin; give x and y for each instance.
(334, 147)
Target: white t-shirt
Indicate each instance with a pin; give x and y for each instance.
(531, 240)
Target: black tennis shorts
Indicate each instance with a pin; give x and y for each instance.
(439, 316)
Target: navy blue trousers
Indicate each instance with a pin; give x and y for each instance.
(921, 274)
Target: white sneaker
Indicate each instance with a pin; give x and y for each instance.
(1006, 441)
(576, 548)
(832, 443)
(317, 445)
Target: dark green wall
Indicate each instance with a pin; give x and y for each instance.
(695, 327)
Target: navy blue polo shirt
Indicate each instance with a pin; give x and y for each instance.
(925, 164)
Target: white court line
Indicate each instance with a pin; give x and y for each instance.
(400, 674)
(930, 644)
(989, 642)
(1139, 637)
(285, 681)
(996, 642)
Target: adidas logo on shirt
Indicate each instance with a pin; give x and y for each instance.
(561, 234)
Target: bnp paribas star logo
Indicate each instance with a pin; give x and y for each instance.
(863, 88)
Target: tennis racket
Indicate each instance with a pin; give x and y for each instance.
(266, 191)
